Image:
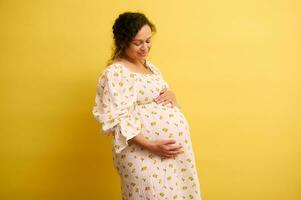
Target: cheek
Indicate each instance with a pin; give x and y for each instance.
(135, 49)
(132, 51)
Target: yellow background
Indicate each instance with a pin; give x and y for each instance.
(234, 67)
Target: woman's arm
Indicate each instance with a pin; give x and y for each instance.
(141, 141)
(164, 148)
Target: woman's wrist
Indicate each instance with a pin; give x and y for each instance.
(142, 141)
(150, 145)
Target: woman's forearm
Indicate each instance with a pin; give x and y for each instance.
(141, 141)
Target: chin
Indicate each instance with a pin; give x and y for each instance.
(142, 56)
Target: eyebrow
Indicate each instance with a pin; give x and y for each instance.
(141, 39)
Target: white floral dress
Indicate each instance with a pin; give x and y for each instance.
(125, 108)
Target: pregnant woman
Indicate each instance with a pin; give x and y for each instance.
(152, 149)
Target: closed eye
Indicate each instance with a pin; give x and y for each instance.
(139, 42)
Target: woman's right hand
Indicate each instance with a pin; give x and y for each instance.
(165, 148)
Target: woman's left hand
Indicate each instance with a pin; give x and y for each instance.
(165, 97)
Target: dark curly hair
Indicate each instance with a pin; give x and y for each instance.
(125, 28)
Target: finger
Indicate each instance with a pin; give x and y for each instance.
(161, 96)
(164, 94)
(166, 102)
(158, 99)
(170, 147)
(175, 148)
(175, 145)
(169, 141)
(175, 153)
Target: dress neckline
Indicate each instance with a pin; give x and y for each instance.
(143, 74)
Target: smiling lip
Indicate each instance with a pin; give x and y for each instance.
(143, 54)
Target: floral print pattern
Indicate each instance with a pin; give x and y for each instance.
(124, 107)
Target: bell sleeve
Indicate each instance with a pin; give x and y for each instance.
(115, 107)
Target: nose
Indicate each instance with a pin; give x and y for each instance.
(144, 46)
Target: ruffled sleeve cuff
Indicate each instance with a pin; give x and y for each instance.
(126, 130)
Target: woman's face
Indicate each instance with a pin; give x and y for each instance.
(141, 44)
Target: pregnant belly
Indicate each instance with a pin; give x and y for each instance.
(163, 122)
